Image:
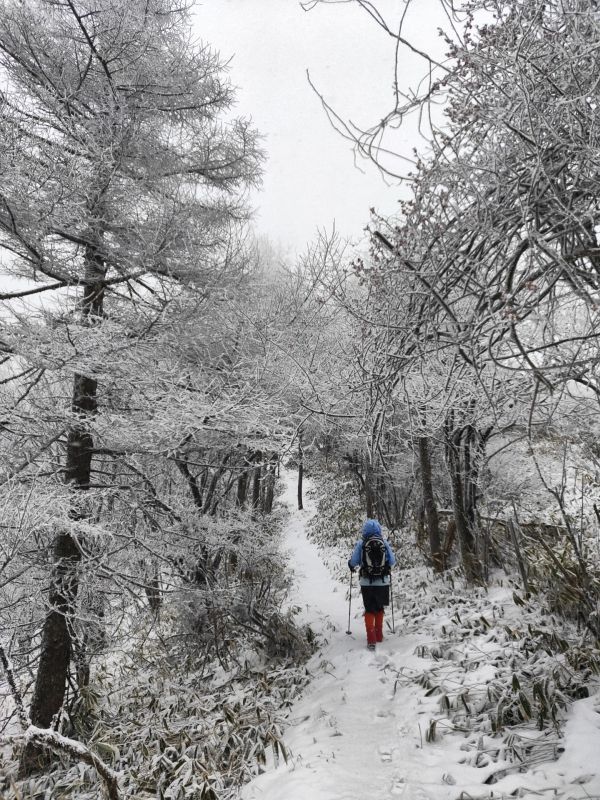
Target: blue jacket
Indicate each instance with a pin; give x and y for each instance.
(356, 560)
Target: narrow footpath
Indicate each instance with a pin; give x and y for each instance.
(346, 733)
(358, 732)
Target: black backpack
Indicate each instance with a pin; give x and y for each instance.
(374, 559)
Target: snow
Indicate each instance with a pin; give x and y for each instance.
(359, 730)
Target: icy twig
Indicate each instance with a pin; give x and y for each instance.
(16, 694)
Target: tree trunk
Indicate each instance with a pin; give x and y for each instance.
(469, 446)
(369, 498)
(152, 589)
(433, 524)
(55, 652)
(191, 481)
(242, 486)
(464, 531)
(270, 484)
(269, 489)
(256, 480)
(209, 507)
(56, 644)
(380, 503)
(355, 463)
(300, 473)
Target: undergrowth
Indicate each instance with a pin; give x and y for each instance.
(502, 671)
(192, 704)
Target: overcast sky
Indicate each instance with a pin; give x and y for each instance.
(311, 179)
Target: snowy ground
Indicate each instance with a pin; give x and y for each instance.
(359, 729)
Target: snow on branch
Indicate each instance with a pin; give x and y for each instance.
(52, 740)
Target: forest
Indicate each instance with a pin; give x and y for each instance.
(165, 374)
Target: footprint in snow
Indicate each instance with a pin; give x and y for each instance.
(416, 793)
(384, 661)
(400, 788)
(385, 753)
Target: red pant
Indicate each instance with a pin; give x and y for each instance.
(374, 626)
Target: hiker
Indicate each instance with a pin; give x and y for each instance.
(373, 554)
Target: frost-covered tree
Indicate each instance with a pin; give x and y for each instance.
(121, 176)
(506, 202)
(497, 240)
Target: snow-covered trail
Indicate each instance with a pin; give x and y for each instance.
(359, 732)
(344, 732)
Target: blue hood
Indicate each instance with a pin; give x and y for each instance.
(371, 528)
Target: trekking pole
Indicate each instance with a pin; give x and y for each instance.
(349, 604)
(392, 603)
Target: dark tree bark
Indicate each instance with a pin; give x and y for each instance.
(469, 442)
(459, 457)
(464, 531)
(369, 495)
(242, 486)
(152, 589)
(430, 507)
(191, 480)
(381, 510)
(270, 484)
(256, 480)
(355, 464)
(449, 539)
(56, 640)
(55, 652)
(209, 506)
(300, 473)
(223, 494)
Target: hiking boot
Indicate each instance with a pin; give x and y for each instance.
(370, 628)
(371, 647)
